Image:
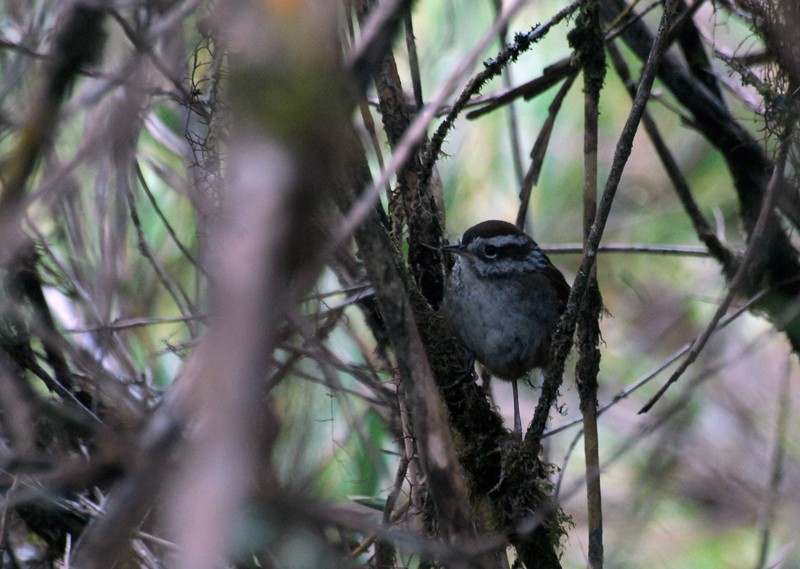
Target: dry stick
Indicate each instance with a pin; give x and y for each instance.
(635, 248)
(776, 465)
(413, 60)
(587, 40)
(415, 476)
(363, 103)
(4, 517)
(566, 326)
(551, 75)
(385, 552)
(377, 145)
(756, 239)
(128, 323)
(173, 288)
(165, 222)
(540, 149)
(565, 461)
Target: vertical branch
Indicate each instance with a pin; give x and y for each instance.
(413, 60)
(588, 41)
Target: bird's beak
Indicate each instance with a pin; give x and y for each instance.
(457, 250)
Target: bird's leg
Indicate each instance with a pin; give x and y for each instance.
(517, 420)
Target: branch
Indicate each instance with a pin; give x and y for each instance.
(586, 39)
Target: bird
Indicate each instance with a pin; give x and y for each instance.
(503, 300)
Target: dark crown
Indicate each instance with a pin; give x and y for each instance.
(491, 228)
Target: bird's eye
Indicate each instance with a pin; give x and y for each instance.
(490, 251)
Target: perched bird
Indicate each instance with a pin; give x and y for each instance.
(503, 300)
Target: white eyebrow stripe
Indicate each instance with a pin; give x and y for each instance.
(504, 240)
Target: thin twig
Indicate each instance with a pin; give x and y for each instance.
(567, 455)
(174, 289)
(363, 101)
(634, 248)
(129, 323)
(167, 225)
(552, 75)
(540, 149)
(413, 60)
(4, 516)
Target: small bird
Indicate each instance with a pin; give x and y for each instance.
(503, 300)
